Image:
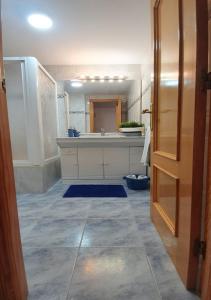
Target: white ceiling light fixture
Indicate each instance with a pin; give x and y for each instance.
(76, 84)
(40, 21)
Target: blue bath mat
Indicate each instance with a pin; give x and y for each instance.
(95, 190)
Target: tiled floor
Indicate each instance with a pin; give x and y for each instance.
(94, 249)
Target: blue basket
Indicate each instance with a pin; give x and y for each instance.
(137, 184)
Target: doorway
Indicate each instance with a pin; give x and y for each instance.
(103, 241)
(105, 114)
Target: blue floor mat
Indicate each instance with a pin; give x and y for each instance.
(95, 190)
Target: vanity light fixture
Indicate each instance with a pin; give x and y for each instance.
(40, 21)
(102, 79)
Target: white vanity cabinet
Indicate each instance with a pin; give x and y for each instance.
(116, 162)
(90, 163)
(69, 163)
(100, 157)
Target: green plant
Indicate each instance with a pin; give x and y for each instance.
(130, 124)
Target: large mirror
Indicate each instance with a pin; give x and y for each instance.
(98, 104)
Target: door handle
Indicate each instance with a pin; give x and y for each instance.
(146, 111)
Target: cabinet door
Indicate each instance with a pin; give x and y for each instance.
(136, 167)
(116, 162)
(90, 162)
(69, 163)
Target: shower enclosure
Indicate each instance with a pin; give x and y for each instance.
(33, 119)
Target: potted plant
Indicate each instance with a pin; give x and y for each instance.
(131, 127)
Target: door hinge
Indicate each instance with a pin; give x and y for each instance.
(3, 84)
(200, 248)
(207, 81)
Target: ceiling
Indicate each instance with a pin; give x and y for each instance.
(84, 31)
(102, 88)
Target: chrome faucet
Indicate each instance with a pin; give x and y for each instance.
(102, 130)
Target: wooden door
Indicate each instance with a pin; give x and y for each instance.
(179, 105)
(12, 274)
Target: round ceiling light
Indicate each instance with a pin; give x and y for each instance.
(39, 21)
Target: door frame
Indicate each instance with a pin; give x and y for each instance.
(205, 284)
(13, 283)
(116, 101)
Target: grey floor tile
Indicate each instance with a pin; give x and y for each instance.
(33, 208)
(173, 289)
(111, 232)
(49, 223)
(55, 232)
(49, 272)
(137, 194)
(140, 207)
(168, 281)
(110, 208)
(112, 274)
(26, 225)
(149, 236)
(68, 208)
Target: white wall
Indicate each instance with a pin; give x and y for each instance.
(77, 112)
(146, 92)
(63, 109)
(134, 101)
(139, 97)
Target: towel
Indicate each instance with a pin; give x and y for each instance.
(146, 154)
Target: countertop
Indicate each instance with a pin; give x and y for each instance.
(98, 140)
